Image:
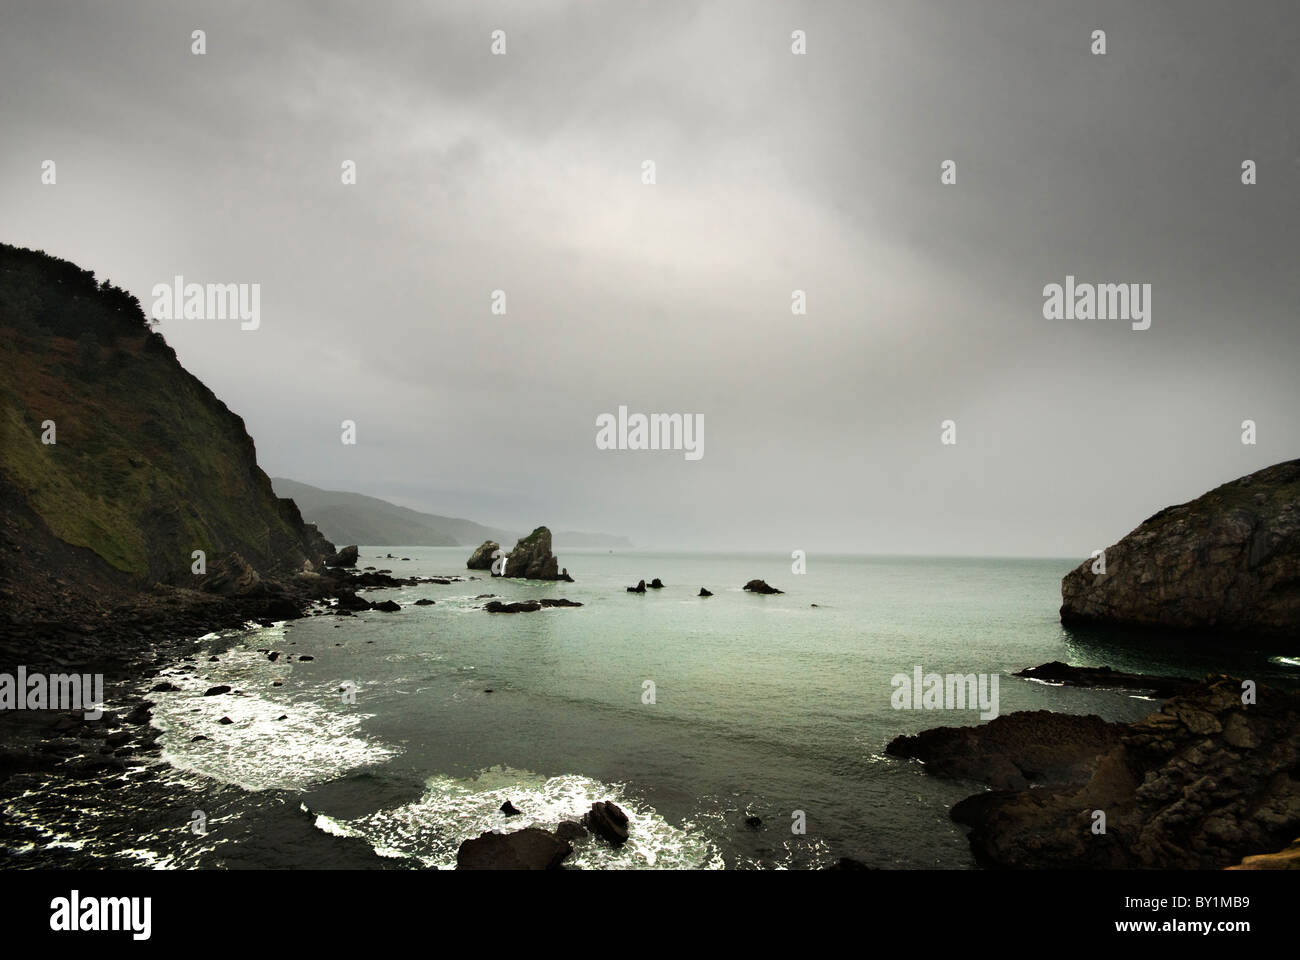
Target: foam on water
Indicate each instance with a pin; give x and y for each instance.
(431, 829)
(320, 738)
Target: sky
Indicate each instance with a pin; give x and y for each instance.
(774, 171)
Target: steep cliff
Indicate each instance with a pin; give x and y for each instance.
(117, 463)
(1227, 561)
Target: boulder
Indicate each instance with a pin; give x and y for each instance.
(528, 849)
(607, 820)
(705, 592)
(216, 691)
(481, 559)
(639, 588)
(656, 584)
(348, 600)
(424, 602)
(570, 830)
(1228, 562)
(388, 606)
(761, 586)
(510, 810)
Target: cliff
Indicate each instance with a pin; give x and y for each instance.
(147, 465)
(1227, 561)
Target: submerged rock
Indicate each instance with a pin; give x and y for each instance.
(425, 602)
(761, 586)
(528, 849)
(1227, 561)
(1058, 672)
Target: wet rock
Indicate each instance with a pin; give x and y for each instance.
(754, 823)
(559, 602)
(519, 606)
(305, 659)
(656, 584)
(531, 559)
(527, 849)
(1058, 672)
(425, 602)
(639, 588)
(350, 601)
(164, 687)
(761, 586)
(607, 820)
(388, 606)
(705, 592)
(224, 721)
(510, 810)
(217, 690)
(570, 830)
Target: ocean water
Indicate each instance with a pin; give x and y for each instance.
(764, 706)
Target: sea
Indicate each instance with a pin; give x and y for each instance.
(387, 738)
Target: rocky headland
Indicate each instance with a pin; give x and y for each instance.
(1227, 562)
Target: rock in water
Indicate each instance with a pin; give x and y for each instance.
(760, 586)
(347, 557)
(570, 830)
(481, 559)
(531, 559)
(656, 584)
(705, 592)
(519, 606)
(388, 606)
(639, 588)
(527, 849)
(1227, 561)
(606, 819)
(510, 810)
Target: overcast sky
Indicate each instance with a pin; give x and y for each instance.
(774, 172)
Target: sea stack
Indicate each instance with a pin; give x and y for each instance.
(1228, 561)
(531, 559)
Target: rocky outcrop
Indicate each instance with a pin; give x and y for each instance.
(761, 586)
(518, 606)
(1012, 751)
(531, 559)
(529, 849)
(1228, 561)
(1062, 673)
(1201, 784)
(347, 557)
(481, 559)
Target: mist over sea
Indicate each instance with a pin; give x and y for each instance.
(764, 705)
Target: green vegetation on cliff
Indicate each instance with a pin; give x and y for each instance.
(147, 464)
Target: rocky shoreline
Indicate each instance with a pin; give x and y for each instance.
(1206, 782)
